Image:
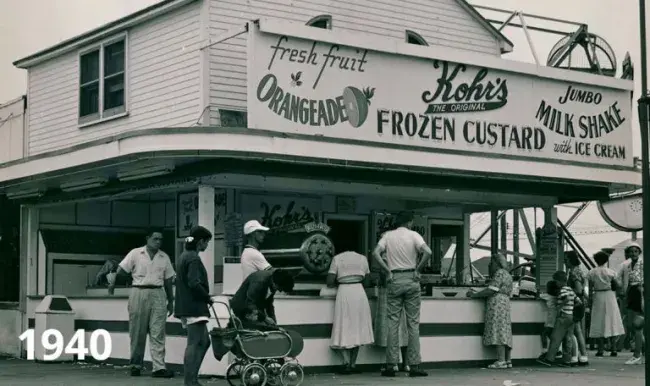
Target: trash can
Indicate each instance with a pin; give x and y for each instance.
(56, 313)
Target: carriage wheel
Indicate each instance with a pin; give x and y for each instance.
(233, 373)
(273, 368)
(253, 374)
(291, 374)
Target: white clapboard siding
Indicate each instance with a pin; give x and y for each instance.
(163, 85)
(441, 22)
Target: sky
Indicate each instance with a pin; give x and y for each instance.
(27, 26)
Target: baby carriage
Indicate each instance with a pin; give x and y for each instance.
(261, 357)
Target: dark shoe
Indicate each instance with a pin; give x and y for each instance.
(355, 370)
(416, 373)
(164, 373)
(135, 372)
(345, 370)
(613, 354)
(388, 372)
(545, 362)
(600, 354)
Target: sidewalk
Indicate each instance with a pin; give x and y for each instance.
(602, 371)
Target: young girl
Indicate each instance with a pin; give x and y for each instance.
(550, 298)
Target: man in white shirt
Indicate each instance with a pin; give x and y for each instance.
(402, 247)
(252, 260)
(150, 303)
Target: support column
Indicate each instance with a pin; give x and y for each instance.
(504, 234)
(206, 219)
(547, 256)
(494, 232)
(515, 237)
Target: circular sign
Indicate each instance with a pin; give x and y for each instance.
(317, 252)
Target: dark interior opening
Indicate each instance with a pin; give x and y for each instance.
(347, 235)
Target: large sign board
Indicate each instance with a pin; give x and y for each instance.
(323, 89)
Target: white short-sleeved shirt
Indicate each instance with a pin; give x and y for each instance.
(252, 260)
(145, 270)
(402, 247)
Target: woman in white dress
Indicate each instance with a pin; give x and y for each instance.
(352, 327)
(606, 322)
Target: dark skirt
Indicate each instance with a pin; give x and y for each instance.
(635, 298)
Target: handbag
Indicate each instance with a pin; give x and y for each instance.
(329, 291)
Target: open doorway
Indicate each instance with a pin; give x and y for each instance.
(348, 232)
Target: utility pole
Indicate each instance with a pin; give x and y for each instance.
(644, 115)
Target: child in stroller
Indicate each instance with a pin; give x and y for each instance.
(261, 356)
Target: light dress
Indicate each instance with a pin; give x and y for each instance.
(606, 318)
(352, 326)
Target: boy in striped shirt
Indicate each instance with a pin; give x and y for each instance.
(563, 323)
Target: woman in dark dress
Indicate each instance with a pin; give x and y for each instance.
(192, 300)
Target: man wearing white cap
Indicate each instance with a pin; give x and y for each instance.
(252, 260)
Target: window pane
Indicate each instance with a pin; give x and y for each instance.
(89, 67)
(114, 58)
(114, 92)
(89, 100)
(320, 23)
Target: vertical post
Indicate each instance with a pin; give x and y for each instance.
(515, 237)
(494, 232)
(206, 219)
(643, 125)
(504, 234)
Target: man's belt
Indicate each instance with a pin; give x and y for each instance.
(147, 286)
(402, 270)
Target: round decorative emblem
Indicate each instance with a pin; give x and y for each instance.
(317, 252)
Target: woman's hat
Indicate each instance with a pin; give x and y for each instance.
(633, 244)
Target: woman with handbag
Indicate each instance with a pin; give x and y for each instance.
(352, 326)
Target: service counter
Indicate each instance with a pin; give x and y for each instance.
(450, 329)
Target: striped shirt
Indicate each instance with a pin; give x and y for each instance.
(566, 300)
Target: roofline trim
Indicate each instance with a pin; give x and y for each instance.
(505, 44)
(101, 32)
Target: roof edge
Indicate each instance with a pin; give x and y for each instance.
(101, 32)
(505, 44)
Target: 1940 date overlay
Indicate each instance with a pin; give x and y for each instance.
(54, 345)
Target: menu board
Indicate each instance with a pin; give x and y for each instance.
(233, 230)
(187, 215)
(188, 212)
(383, 222)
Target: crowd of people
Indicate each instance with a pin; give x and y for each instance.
(615, 301)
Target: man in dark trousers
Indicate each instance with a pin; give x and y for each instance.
(253, 301)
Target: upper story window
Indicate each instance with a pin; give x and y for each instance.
(415, 38)
(102, 78)
(322, 21)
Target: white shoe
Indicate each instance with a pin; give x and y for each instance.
(634, 361)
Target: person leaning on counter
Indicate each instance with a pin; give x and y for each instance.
(252, 260)
(402, 247)
(148, 307)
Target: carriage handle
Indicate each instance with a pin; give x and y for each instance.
(230, 316)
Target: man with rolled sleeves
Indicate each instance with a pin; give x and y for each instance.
(402, 247)
(150, 303)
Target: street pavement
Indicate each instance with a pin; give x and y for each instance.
(602, 371)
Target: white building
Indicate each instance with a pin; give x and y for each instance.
(184, 114)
